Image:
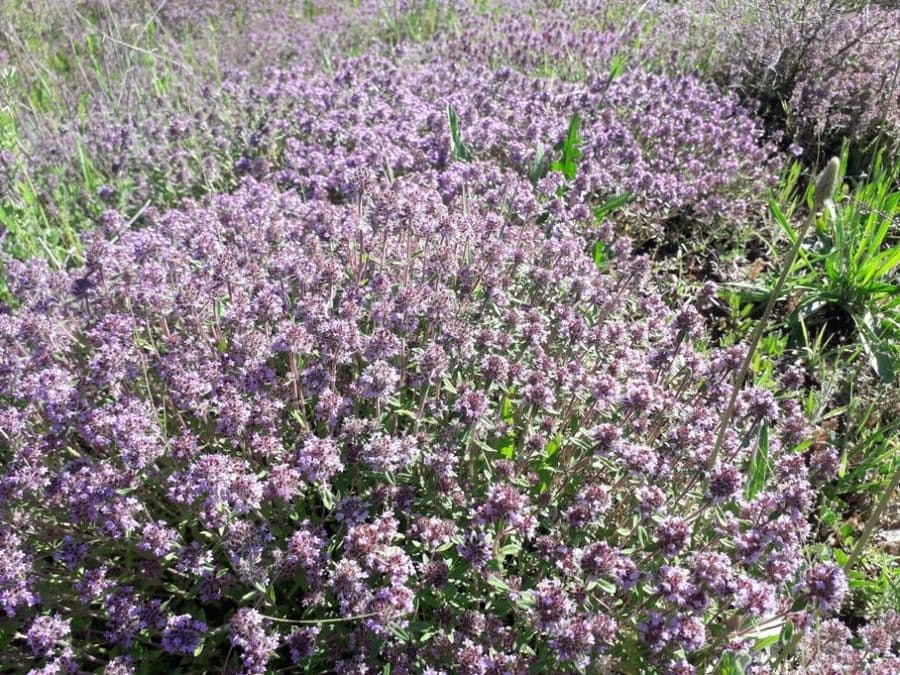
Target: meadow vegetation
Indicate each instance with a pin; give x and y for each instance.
(432, 336)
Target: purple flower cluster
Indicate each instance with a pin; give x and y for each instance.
(875, 650)
(678, 146)
(379, 404)
(526, 463)
(183, 634)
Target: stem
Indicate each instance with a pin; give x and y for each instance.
(874, 517)
(321, 621)
(757, 336)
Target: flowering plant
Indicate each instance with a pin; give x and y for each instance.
(400, 429)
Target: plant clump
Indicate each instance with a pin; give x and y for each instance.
(270, 430)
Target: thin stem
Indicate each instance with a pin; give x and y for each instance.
(875, 516)
(321, 621)
(757, 336)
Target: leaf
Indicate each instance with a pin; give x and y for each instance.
(498, 583)
(612, 204)
(553, 446)
(458, 149)
(787, 633)
(879, 352)
(327, 497)
(508, 449)
(600, 254)
(525, 600)
(733, 664)
(840, 557)
(567, 165)
(759, 463)
(539, 168)
(765, 643)
(606, 586)
(510, 549)
(617, 64)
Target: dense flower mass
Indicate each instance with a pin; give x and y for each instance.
(388, 388)
(357, 410)
(823, 70)
(677, 146)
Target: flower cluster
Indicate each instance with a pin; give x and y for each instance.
(390, 394)
(283, 406)
(875, 650)
(678, 146)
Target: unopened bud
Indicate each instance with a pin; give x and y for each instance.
(826, 184)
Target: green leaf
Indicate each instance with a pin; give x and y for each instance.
(606, 586)
(525, 600)
(498, 583)
(539, 168)
(765, 643)
(553, 446)
(733, 664)
(840, 557)
(458, 149)
(567, 165)
(327, 497)
(759, 463)
(787, 633)
(612, 204)
(878, 350)
(510, 549)
(600, 254)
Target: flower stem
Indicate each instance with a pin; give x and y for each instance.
(875, 516)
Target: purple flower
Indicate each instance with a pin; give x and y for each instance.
(247, 631)
(378, 380)
(47, 633)
(183, 634)
(387, 453)
(551, 603)
(674, 585)
(476, 548)
(656, 632)
(672, 535)
(826, 584)
(319, 459)
(16, 581)
(725, 480)
(302, 643)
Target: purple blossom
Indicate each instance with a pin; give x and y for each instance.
(319, 459)
(302, 642)
(247, 631)
(47, 633)
(269, 399)
(183, 634)
(672, 534)
(826, 584)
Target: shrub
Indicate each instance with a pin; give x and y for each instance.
(822, 70)
(400, 430)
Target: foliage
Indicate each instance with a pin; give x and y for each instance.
(322, 347)
(845, 279)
